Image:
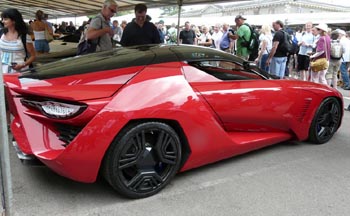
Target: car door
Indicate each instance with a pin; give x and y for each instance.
(243, 100)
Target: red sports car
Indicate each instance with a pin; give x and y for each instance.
(139, 115)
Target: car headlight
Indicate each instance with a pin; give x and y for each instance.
(55, 109)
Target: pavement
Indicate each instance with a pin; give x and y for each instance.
(290, 178)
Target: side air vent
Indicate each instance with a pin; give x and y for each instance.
(67, 133)
(304, 108)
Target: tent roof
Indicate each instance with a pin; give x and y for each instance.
(71, 8)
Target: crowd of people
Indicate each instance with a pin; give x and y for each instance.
(311, 43)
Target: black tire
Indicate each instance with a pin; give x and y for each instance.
(143, 159)
(326, 121)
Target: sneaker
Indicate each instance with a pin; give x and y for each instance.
(347, 88)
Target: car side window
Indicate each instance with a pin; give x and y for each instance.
(225, 70)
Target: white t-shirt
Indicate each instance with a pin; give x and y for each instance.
(217, 39)
(12, 52)
(345, 42)
(204, 38)
(268, 39)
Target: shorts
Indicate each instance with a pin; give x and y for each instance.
(41, 46)
(303, 62)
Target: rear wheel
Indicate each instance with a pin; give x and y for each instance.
(143, 159)
(326, 121)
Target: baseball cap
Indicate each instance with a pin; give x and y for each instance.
(240, 17)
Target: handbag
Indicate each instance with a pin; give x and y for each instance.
(86, 47)
(48, 36)
(319, 65)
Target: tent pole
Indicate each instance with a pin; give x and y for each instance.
(179, 2)
(5, 171)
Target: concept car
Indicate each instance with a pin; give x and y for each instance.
(139, 115)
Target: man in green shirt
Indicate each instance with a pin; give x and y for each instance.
(242, 36)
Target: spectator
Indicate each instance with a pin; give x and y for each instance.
(123, 24)
(335, 61)
(345, 42)
(62, 29)
(216, 36)
(278, 56)
(265, 47)
(323, 50)
(172, 34)
(305, 49)
(205, 38)
(118, 31)
(99, 29)
(140, 31)
(39, 25)
(16, 46)
(242, 36)
(160, 26)
(291, 57)
(83, 32)
(226, 44)
(197, 32)
(187, 35)
(71, 28)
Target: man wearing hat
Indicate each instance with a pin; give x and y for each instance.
(242, 36)
(141, 30)
(345, 42)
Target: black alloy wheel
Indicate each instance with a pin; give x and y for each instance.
(326, 121)
(143, 159)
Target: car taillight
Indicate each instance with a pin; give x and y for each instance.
(55, 109)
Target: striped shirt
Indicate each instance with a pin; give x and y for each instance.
(12, 52)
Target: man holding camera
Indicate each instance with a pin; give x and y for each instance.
(242, 36)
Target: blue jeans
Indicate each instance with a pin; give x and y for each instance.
(344, 73)
(262, 63)
(41, 46)
(278, 66)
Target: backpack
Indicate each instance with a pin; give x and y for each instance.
(173, 37)
(336, 50)
(287, 45)
(295, 45)
(253, 42)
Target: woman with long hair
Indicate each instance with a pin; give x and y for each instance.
(16, 46)
(323, 49)
(39, 26)
(265, 47)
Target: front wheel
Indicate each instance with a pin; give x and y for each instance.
(143, 159)
(326, 121)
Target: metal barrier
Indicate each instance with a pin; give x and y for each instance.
(5, 170)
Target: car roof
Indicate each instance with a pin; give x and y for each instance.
(127, 57)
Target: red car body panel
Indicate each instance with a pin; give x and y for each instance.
(219, 119)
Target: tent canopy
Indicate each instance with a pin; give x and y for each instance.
(72, 8)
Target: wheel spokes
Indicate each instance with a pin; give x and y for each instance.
(130, 155)
(145, 181)
(166, 149)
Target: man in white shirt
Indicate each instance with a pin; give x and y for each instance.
(216, 36)
(305, 44)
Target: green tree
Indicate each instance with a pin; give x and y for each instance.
(170, 10)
